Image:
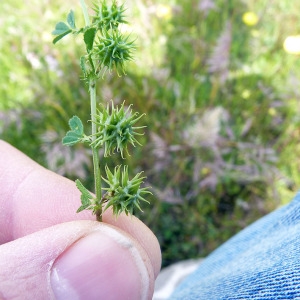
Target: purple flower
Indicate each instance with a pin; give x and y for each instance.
(218, 62)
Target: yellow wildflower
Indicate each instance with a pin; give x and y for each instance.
(255, 33)
(246, 94)
(272, 111)
(292, 44)
(205, 171)
(164, 12)
(250, 18)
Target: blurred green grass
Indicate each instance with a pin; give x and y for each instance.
(221, 147)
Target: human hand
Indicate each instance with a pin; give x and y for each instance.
(47, 251)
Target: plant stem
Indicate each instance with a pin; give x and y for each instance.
(96, 162)
(85, 13)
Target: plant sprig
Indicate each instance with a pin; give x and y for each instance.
(113, 127)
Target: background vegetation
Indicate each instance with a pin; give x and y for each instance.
(219, 82)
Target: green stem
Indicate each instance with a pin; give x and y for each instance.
(96, 162)
(85, 13)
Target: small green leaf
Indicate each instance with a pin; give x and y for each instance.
(84, 191)
(85, 197)
(75, 134)
(89, 37)
(71, 19)
(61, 36)
(81, 208)
(76, 125)
(71, 138)
(60, 28)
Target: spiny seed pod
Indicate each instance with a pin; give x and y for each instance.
(123, 194)
(115, 129)
(112, 50)
(108, 16)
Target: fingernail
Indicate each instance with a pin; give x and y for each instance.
(103, 265)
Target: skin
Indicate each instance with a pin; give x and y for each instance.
(39, 228)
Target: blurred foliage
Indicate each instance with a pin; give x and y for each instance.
(222, 102)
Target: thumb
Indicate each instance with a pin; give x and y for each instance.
(75, 260)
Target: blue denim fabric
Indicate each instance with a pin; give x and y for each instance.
(260, 262)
